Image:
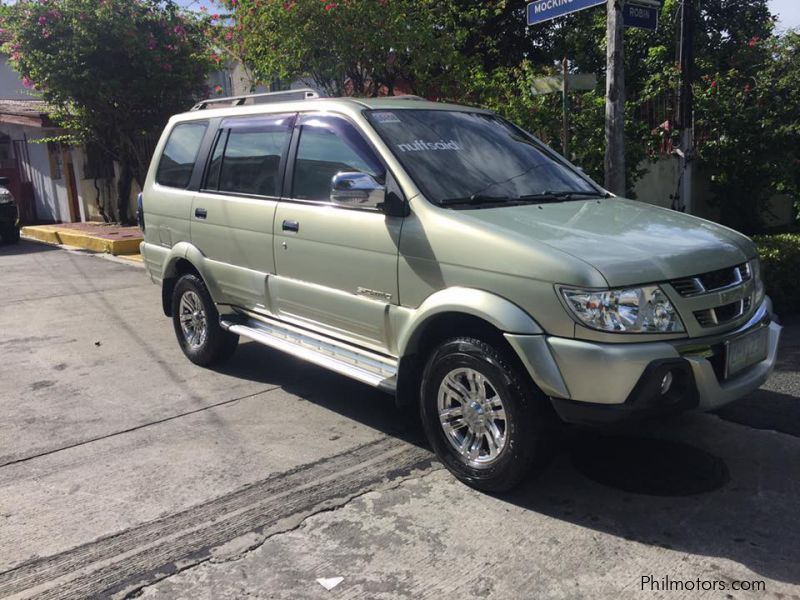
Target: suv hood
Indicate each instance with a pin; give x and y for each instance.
(629, 242)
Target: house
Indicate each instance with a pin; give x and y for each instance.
(52, 182)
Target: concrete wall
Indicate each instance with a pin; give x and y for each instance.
(11, 87)
(662, 178)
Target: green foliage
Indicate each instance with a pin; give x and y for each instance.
(347, 47)
(750, 115)
(110, 70)
(780, 259)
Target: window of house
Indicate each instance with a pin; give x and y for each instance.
(248, 154)
(330, 145)
(177, 161)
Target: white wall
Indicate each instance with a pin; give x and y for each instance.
(11, 87)
(50, 197)
(662, 178)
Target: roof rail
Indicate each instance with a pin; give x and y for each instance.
(285, 96)
(407, 97)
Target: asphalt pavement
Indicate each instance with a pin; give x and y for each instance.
(127, 471)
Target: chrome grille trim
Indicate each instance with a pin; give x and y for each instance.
(705, 283)
(710, 317)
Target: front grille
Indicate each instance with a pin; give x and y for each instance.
(712, 317)
(712, 281)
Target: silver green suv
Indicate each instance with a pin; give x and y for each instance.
(444, 255)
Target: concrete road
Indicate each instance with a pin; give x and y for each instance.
(127, 471)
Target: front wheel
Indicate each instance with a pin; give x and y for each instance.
(485, 419)
(196, 323)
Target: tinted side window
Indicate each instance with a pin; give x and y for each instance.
(252, 155)
(212, 177)
(180, 152)
(329, 145)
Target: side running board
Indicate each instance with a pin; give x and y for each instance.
(359, 364)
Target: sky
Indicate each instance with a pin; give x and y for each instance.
(788, 12)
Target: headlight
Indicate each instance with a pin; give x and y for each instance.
(755, 266)
(631, 310)
(6, 197)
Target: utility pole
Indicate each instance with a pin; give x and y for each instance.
(615, 101)
(565, 107)
(686, 104)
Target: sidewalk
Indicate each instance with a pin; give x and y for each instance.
(97, 237)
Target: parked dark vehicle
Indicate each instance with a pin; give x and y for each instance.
(9, 214)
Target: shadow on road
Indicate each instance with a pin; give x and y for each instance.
(326, 389)
(25, 247)
(655, 491)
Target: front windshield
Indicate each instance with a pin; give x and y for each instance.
(464, 157)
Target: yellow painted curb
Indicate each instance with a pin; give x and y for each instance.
(53, 235)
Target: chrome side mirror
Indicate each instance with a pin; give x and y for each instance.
(360, 190)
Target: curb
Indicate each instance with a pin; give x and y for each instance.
(53, 235)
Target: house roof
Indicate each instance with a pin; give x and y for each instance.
(32, 112)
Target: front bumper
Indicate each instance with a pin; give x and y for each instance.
(597, 383)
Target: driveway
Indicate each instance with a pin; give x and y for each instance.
(125, 470)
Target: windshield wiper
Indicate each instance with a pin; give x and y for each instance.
(476, 199)
(562, 196)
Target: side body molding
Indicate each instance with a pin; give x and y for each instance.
(496, 310)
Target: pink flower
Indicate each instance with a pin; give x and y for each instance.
(42, 20)
(753, 41)
(215, 17)
(714, 84)
(330, 6)
(27, 82)
(218, 89)
(229, 35)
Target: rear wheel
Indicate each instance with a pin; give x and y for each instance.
(486, 421)
(196, 323)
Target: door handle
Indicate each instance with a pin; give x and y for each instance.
(290, 225)
(200, 213)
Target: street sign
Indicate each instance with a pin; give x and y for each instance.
(641, 17)
(544, 10)
(576, 82)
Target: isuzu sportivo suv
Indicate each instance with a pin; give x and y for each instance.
(443, 254)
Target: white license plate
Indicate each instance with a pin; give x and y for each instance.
(746, 351)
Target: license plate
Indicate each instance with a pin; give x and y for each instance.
(746, 351)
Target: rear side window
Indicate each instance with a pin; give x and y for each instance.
(248, 155)
(177, 160)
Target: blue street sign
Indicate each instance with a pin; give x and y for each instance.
(544, 10)
(642, 17)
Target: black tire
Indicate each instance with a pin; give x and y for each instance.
(215, 345)
(10, 235)
(527, 427)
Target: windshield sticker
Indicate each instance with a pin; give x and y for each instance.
(385, 117)
(423, 146)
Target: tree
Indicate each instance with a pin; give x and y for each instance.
(110, 71)
(347, 47)
(751, 130)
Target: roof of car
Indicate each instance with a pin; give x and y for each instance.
(346, 105)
